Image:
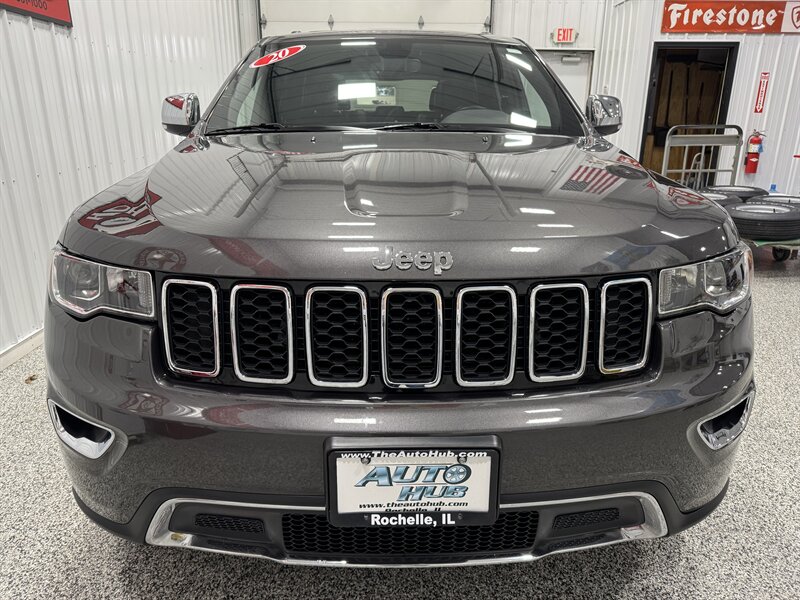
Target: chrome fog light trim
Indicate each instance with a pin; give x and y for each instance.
(717, 436)
(82, 445)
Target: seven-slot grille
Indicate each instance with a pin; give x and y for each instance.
(407, 337)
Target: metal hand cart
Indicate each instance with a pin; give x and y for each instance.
(701, 167)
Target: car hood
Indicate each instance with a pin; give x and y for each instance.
(322, 206)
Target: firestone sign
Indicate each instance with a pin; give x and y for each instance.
(731, 16)
(56, 11)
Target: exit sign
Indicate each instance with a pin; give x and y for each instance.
(564, 35)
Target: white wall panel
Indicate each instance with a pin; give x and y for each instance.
(80, 109)
(534, 20)
(624, 66)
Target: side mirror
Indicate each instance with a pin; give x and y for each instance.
(180, 113)
(604, 113)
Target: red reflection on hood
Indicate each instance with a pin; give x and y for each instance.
(122, 217)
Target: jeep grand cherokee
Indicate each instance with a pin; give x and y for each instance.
(394, 300)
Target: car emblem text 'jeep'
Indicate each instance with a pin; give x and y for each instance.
(423, 260)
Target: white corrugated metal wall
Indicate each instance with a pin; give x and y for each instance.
(534, 21)
(80, 109)
(623, 66)
(622, 33)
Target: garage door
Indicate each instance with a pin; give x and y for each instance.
(286, 16)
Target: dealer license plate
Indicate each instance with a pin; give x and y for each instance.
(413, 487)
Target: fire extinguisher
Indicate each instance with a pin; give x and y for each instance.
(755, 146)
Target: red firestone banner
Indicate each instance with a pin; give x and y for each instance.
(56, 11)
(731, 16)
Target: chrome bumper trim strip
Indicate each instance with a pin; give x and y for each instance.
(159, 534)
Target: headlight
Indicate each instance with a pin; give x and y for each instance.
(85, 287)
(719, 283)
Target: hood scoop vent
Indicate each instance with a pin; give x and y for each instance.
(406, 184)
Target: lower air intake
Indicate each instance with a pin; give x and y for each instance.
(228, 523)
(312, 536)
(586, 518)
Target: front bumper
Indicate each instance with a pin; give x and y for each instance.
(169, 438)
(644, 510)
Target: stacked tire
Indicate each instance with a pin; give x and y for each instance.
(759, 215)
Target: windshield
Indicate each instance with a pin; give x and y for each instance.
(385, 81)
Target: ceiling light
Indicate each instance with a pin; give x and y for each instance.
(361, 249)
(350, 237)
(537, 211)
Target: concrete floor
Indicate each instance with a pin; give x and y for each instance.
(748, 548)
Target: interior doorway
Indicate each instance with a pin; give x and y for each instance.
(574, 69)
(689, 84)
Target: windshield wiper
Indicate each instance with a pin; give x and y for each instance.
(272, 127)
(466, 127)
(256, 128)
(409, 126)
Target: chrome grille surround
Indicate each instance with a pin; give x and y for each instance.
(647, 331)
(234, 335)
(584, 341)
(365, 336)
(513, 351)
(215, 320)
(440, 338)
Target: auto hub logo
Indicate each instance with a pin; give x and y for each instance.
(420, 482)
(729, 16)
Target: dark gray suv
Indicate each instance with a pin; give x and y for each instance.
(394, 300)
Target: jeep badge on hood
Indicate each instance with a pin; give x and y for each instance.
(423, 260)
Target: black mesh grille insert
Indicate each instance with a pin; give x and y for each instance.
(487, 335)
(228, 523)
(262, 333)
(586, 518)
(412, 336)
(190, 327)
(313, 535)
(625, 324)
(336, 334)
(559, 318)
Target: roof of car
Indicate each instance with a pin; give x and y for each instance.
(298, 36)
